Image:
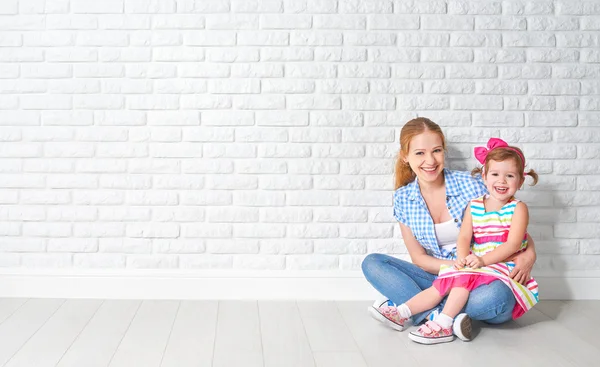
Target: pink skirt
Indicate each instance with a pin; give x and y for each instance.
(468, 281)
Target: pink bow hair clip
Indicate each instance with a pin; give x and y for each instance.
(482, 152)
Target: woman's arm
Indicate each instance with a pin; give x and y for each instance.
(418, 255)
(518, 228)
(524, 261)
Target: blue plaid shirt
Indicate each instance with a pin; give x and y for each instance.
(410, 208)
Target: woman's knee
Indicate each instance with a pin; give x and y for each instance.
(371, 263)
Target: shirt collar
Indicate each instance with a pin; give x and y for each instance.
(452, 186)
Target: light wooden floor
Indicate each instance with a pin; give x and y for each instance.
(89, 333)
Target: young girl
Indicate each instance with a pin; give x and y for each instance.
(495, 230)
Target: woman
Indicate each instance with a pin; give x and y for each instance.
(429, 203)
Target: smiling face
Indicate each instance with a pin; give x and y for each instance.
(426, 156)
(502, 179)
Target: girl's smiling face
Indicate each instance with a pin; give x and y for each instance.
(426, 156)
(502, 179)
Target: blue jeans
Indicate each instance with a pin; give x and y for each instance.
(399, 281)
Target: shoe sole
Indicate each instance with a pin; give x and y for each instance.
(463, 328)
(423, 340)
(384, 320)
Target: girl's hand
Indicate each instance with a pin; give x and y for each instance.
(524, 261)
(459, 264)
(474, 262)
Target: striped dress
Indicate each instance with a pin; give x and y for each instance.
(490, 230)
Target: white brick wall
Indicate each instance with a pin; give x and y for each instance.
(261, 134)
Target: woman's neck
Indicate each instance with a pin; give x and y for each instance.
(430, 187)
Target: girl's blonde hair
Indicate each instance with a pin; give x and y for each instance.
(502, 154)
(403, 174)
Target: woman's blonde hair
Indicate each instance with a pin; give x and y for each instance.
(403, 174)
(502, 154)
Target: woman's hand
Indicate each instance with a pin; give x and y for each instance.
(524, 261)
(474, 262)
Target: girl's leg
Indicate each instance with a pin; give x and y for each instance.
(457, 298)
(425, 300)
(396, 279)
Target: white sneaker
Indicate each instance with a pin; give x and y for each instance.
(463, 327)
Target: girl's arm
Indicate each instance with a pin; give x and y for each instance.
(418, 255)
(463, 243)
(518, 227)
(524, 261)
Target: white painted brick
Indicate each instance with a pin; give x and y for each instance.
(172, 118)
(578, 198)
(151, 7)
(367, 167)
(340, 54)
(181, 182)
(208, 166)
(289, 182)
(103, 197)
(124, 214)
(43, 6)
(259, 230)
(520, 7)
(46, 261)
(387, 246)
(446, 55)
(156, 38)
(576, 230)
(73, 245)
(345, 215)
(529, 103)
(47, 229)
(501, 23)
(436, 22)
(72, 181)
(72, 214)
(573, 39)
(589, 247)
(338, 151)
(369, 39)
(257, 6)
(133, 22)
(365, 6)
(312, 262)
(207, 230)
(232, 246)
(474, 7)
(578, 7)
(8, 196)
(339, 247)
(207, 102)
(499, 56)
(263, 38)
(21, 22)
(350, 22)
(203, 6)
(588, 151)
(285, 54)
(367, 198)
(229, 151)
(153, 230)
(177, 21)
(287, 86)
(561, 247)
(313, 230)
(239, 182)
(256, 71)
(171, 54)
(233, 21)
(20, 214)
(179, 246)
(583, 167)
(263, 262)
(262, 167)
(152, 261)
(98, 261)
(259, 102)
(16, 245)
(206, 262)
(22, 181)
(394, 55)
(290, 246)
(339, 183)
(151, 71)
(307, 102)
(154, 166)
(314, 167)
(151, 198)
(260, 135)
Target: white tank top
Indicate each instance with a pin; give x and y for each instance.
(446, 234)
